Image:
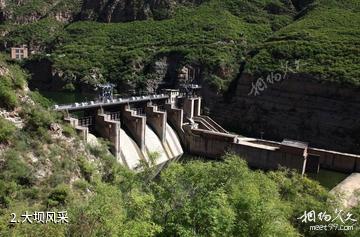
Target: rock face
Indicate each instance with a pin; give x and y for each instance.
(326, 115)
(164, 71)
(25, 12)
(129, 10)
(301, 4)
(100, 10)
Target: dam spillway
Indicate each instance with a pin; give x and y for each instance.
(154, 147)
(132, 157)
(173, 142)
(137, 136)
(130, 154)
(167, 124)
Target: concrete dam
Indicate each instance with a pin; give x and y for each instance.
(139, 132)
(156, 129)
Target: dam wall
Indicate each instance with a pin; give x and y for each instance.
(156, 136)
(157, 120)
(136, 124)
(81, 131)
(110, 130)
(337, 161)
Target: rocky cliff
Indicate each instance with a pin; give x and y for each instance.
(323, 114)
(130, 10)
(25, 12)
(318, 99)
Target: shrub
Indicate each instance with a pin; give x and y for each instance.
(86, 169)
(68, 130)
(15, 169)
(38, 121)
(7, 129)
(8, 97)
(39, 99)
(82, 185)
(59, 196)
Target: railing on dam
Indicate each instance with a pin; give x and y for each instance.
(115, 101)
(115, 116)
(86, 121)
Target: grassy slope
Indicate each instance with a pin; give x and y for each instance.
(326, 40)
(40, 7)
(12, 82)
(208, 35)
(33, 22)
(217, 34)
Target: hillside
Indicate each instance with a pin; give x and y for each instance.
(214, 36)
(142, 44)
(44, 166)
(325, 39)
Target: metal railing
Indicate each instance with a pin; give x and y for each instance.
(86, 121)
(161, 108)
(98, 103)
(139, 111)
(115, 116)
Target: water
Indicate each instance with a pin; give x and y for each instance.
(327, 178)
(67, 97)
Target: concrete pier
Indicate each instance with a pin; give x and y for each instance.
(175, 117)
(81, 131)
(110, 130)
(157, 121)
(192, 107)
(136, 125)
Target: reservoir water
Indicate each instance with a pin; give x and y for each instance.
(328, 178)
(67, 97)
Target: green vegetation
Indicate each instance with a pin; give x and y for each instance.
(208, 35)
(216, 35)
(6, 130)
(41, 100)
(12, 80)
(325, 40)
(41, 171)
(40, 35)
(191, 199)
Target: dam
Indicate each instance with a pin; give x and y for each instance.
(156, 129)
